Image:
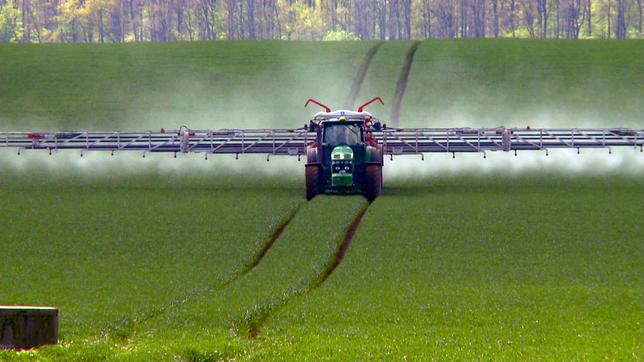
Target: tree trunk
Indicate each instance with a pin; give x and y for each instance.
(278, 24)
(589, 13)
(495, 19)
(512, 13)
(544, 19)
(26, 30)
(557, 19)
(639, 24)
(179, 8)
(230, 19)
(462, 18)
(101, 28)
(115, 24)
(620, 25)
(393, 20)
(427, 19)
(406, 19)
(608, 17)
(251, 19)
(479, 18)
(382, 19)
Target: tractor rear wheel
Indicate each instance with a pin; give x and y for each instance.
(373, 181)
(313, 186)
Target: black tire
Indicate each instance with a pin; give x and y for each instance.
(313, 187)
(373, 181)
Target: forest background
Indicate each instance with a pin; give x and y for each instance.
(118, 21)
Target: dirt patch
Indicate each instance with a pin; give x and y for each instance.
(401, 86)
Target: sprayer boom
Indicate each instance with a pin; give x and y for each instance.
(398, 141)
(344, 149)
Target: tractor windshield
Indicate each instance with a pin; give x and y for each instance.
(342, 134)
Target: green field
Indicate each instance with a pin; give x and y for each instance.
(495, 268)
(134, 86)
(162, 259)
(131, 246)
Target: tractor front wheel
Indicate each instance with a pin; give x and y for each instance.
(373, 181)
(313, 186)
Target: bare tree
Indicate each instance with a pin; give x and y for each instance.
(589, 14)
(382, 18)
(26, 29)
(462, 15)
(250, 10)
(639, 24)
(528, 18)
(512, 15)
(426, 14)
(231, 7)
(406, 23)
(394, 19)
(478, 18)
(542, 17)
(163, 20)
(608, 18)
(573, 19)
(620, 21)
(445, 18)
(557, 19)
(495, 18)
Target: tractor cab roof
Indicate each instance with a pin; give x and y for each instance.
(336, 115)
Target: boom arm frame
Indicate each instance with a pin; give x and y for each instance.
(293, 142)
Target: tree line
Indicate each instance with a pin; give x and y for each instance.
(117, 21)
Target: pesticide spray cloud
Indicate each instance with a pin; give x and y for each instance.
(268, 90)
(100, 166)
(621, 163)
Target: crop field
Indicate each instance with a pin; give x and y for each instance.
(542, 84)
(227, 84)
(186, 259)
(106, 252)
(524, 269)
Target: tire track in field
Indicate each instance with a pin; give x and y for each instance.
(266, 246)
(123, 328)
(348, 236)
(362, 74)
(252, 321)
(401, 86)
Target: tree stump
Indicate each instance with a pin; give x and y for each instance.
(23, 327)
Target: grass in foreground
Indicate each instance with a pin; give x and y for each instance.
(494, 268)
(106, 253)
(500, 269)
(218, 324)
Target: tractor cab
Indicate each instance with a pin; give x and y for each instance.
(344, 156)
(343, 146)
(342, 133)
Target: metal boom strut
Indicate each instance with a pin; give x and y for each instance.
(394, 141)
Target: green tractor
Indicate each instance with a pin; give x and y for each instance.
(344, 157)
